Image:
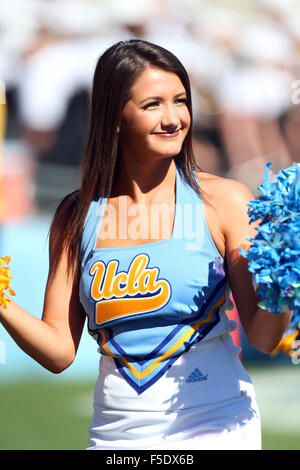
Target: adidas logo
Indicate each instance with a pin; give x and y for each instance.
(196, 376)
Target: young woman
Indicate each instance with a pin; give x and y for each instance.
(148, 250)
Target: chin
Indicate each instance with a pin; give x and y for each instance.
(169, 151)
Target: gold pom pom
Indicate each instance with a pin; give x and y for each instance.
(5, 278)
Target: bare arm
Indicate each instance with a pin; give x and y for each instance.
(263, 329)
(52, 340)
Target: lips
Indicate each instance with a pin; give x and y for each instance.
(167, 134)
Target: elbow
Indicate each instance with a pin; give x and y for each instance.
(265, 349)
(59, 365)
(265, 330)
(57, 369)
(263, 345)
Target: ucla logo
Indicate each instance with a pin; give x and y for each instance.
(121, 294)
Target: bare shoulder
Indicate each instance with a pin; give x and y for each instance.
(223, 195)
(227, 190)
(226, 207)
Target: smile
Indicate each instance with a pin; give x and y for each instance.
(167, 135)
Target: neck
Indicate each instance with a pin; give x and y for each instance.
(145, 182)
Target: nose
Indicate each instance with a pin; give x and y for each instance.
(170, 119)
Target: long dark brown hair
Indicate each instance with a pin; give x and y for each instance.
(116, 71)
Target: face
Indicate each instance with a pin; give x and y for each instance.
(156, 118)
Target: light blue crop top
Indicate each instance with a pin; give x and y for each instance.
(148, 304)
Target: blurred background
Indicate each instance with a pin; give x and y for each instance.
(243, 59)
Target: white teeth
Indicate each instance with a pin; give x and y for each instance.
(167, 133)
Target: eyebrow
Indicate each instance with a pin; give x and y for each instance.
(158, 98)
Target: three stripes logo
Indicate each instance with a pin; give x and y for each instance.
(196, 376)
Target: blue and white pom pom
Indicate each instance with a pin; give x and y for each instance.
(274, 253)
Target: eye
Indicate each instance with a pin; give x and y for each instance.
(181, 101)
(151, 104)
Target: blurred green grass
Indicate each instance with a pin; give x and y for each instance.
(55, 415)
(45, 415)
(278, 396)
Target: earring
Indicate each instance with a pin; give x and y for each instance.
(118, 130)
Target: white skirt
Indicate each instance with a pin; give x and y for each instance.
(204, 401)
